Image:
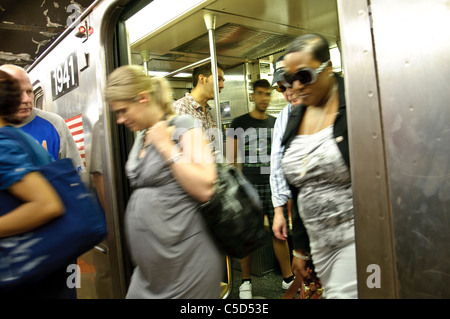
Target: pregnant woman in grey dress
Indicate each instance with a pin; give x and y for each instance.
(171, 248)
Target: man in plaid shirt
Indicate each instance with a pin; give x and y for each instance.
(196, 102)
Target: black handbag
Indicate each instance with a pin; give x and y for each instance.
(31, 256)
(234, 213)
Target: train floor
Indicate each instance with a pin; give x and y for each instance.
(266, 285)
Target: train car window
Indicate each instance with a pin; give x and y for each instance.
(38, 97)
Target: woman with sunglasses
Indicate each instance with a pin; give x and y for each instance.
(317, 168)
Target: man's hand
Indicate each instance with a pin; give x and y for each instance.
(279, 225)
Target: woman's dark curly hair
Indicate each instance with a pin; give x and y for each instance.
(10, 96)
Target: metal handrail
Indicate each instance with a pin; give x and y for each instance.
(190, 66)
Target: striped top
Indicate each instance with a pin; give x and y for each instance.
(278, 185)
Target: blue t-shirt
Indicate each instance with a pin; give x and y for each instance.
(15, 161)
(45, 133)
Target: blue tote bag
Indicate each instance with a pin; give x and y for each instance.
(31, 256)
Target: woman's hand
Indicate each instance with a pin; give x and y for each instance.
(300, 268)
(160, 136)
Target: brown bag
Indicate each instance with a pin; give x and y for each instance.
(311, 289)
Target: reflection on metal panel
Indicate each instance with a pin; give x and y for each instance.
(396, 70)
(373, 227)
(414, 67)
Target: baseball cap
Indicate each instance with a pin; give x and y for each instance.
(278, 66)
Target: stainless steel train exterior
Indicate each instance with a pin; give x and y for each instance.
(395, 64)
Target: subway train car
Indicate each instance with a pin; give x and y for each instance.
(393, 56)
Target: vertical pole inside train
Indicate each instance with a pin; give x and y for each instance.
(210, 21)
(145, 55)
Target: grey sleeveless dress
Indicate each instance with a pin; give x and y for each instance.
(314, 164)
(172, 251)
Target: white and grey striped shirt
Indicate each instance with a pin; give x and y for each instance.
(278, 185)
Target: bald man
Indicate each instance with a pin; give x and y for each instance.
(49, 129)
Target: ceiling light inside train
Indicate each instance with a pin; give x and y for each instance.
(160, 14)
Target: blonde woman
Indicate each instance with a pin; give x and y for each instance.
(173, 253)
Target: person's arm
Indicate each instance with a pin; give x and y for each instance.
(300, 241)
(97, 180)
(300, 266)
(41, 205)
(278, 185)
(193, 166)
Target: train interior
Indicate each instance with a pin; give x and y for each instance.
(248, 38)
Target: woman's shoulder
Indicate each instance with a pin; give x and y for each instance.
(9, 145)
(185, 121)
(14, 161)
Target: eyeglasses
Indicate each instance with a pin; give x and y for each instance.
(283, 87)
(306, 76)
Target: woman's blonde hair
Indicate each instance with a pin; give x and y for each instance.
(126, 82)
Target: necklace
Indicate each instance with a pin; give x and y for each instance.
(324, 112)
(305, 159)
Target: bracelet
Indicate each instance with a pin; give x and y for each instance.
(296, 254)
(172, 160)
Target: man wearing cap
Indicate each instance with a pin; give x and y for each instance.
(281, 193)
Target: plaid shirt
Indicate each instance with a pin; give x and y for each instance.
(188, 105)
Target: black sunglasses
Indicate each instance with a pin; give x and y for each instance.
(282, 87)
(306, 76)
